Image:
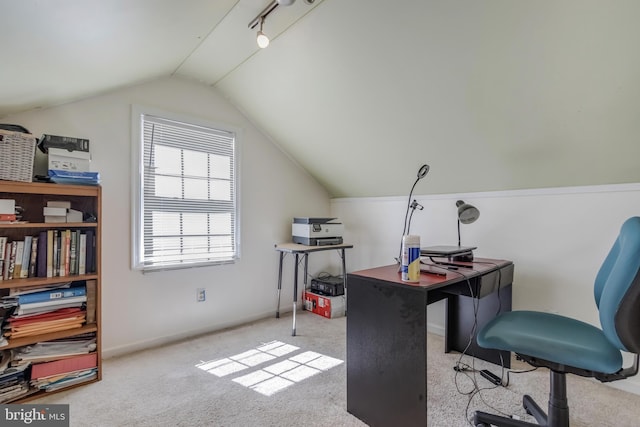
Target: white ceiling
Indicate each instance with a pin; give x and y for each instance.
(493, 94)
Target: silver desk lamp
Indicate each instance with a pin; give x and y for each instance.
(466, 214)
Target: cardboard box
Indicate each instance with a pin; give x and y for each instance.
(76, 161)
(329, 307)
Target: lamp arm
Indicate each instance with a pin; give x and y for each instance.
(404, 228)
(406, 215)
(458, 232)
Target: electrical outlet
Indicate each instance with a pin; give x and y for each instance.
(201, 295)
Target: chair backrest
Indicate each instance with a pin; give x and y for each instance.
(617, 289)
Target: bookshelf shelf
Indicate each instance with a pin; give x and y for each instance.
(43, 281)
(33, 197)
(48, 225)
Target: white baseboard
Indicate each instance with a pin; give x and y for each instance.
(168, 339)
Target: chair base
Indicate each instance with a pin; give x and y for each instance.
(558, 409)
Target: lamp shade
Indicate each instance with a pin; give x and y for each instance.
(467, 213)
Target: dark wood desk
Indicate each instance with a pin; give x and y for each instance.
(387, 333)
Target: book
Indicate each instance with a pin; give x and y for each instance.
(37, 328)
(3, 245)
(82, 254)
(26, 257)
(7, 257)
(17, 263)
(50, 315)
(55, 219)
(41, 270)
(53, 294)
(65, 252)
(43, 307)
(59, 204)
(12, 260)
(54, 302)
(56, 253)
(71, 364)
(91, 244)
(7, 206)
(49, 253)
(54, 211)
(7, 217)
(45, 351)
(91, 287)
(73, 253)
(66, 380)
(33, 257)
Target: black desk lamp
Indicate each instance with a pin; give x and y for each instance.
(422, 172)
(466, 214)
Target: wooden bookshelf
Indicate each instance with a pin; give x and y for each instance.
(33, 197)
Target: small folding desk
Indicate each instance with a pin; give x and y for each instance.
(304, 250)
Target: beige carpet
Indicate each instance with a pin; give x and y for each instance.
(165, 386)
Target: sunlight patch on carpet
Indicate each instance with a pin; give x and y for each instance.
(276, 376)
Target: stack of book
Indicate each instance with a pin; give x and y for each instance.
(14, 380)
(59, 363)
(46, 310)
(50, 376)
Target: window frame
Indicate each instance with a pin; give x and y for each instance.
(137, 202)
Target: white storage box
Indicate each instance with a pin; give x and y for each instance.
(76, 161)
(17, 151)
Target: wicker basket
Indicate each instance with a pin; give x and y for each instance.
(17, 151)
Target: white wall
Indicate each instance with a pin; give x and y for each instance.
(142, 310)
(557, 239)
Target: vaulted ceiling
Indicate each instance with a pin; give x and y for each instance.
(492, 94)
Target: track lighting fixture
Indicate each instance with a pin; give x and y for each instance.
(261, 38)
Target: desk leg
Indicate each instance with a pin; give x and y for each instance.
(279, 284)
(306, 269)
(387, 353)
(295, 294)
(344, 277)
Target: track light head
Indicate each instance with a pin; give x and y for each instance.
(262, 39)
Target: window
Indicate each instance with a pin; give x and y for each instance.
(185, 200)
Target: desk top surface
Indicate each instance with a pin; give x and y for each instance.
(299, 248)
(440, 276)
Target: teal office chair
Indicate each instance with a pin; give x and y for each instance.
(567, 345)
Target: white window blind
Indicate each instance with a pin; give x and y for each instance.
(188, 207)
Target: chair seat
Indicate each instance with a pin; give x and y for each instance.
(553, 338)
